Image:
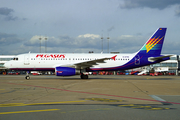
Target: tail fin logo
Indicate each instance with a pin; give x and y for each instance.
(152, 42)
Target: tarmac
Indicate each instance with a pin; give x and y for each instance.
(128, 89)
(117, 90)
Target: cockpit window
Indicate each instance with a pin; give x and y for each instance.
(15, 58)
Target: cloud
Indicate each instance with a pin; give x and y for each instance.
(110, 29)
(83, 44)
(159, 4)
(10, 44)
(91, 36)
(177, 11)
(7, 39)
(127, 43)
(86, 41)
(34, 41)
(82, 41)
(171, 47)
(7, 12)
(8, 18)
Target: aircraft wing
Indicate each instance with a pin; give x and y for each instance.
(87, 64)
(152, 59)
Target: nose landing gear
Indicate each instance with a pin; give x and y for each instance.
(27, 75)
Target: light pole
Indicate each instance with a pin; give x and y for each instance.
(108, 43)
(45, 44)
(102, 43)
(40, 44)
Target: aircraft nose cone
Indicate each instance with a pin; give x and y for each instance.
(6, 65)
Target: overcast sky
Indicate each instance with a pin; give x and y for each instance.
(76, 26)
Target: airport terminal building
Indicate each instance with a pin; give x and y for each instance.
(172, 65)
(5, 58)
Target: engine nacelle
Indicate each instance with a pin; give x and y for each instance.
(66, 71)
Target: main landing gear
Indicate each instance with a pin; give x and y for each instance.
(84, 76)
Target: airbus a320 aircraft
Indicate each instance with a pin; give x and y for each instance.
(72, 64)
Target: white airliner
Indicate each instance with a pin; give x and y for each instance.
(72, 64)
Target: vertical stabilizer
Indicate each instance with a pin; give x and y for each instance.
(154, 45)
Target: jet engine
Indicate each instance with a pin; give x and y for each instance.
(66, 71)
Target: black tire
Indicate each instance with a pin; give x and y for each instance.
(27, 77)
(84, 76)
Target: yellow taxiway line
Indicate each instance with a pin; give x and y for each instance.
(28, 111)
(22, 104)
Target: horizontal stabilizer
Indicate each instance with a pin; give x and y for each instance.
(152, 59)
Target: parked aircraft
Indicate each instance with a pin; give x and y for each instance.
(65, 64)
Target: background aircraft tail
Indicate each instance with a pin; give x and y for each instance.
(154, 45)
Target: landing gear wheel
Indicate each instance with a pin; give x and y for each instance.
(84, 76)
(27, 77)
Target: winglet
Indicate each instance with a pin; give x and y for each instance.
(114, 57)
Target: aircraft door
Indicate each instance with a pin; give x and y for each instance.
(26, 60)
(137, 60)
